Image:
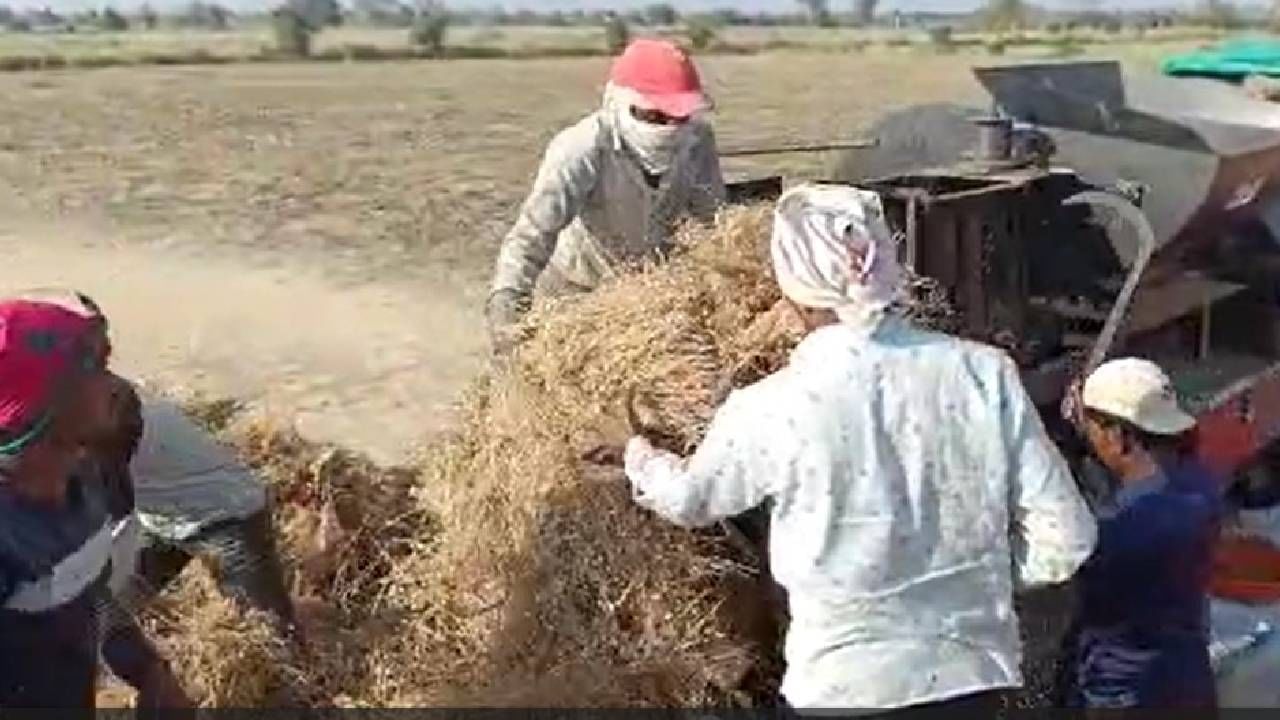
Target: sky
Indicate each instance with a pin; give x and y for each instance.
(743, 5)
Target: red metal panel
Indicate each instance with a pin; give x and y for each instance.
(1243, 422)
(1224, 442)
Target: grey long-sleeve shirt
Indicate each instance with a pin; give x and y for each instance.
(591, 207)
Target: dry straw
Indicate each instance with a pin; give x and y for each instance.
(509, 572)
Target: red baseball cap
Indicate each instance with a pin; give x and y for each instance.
(41, 344)
(663, 75)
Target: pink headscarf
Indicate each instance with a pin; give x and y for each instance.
(41, 344)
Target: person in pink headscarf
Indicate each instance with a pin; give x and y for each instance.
(910, 483)
(57, 614)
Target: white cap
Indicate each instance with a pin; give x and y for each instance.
(1139, 392)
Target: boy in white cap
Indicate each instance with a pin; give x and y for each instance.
(1141, 638)
(912, 484)
(612, 187)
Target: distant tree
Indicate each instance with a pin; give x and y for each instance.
(384, 13)
(661, 14)
(819, 12)
(495, 15)
(942, 39)
(729, 16)
(1220, 14)
(430, 28)
(292, 31)
(701, 31)
(219, 17)
(11, 21)
(112, 21)
(147, 16)
(204, 15)
(864, 12)
(317, 14)
(44, 18)
(617, 35)
(1004, 15)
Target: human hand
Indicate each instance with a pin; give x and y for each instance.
(1073, 403)
(607, 454)
(503, 313)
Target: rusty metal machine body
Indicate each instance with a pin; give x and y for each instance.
(982, 208)
(1206, 308)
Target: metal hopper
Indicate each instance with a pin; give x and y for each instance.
(1208, 155)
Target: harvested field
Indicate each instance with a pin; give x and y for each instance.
(378, 169)
(373, 196)
(387, 168)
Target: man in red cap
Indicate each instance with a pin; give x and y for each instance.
(613, 187)
(56, 518)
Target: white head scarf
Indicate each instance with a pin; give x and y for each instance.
(655, 146)
(832, 250)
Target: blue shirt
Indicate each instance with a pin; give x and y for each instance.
(1142, 635)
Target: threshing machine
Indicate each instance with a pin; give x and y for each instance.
(1090, 214)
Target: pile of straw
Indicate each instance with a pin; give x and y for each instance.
(506, 570)
(509, 572)
(547, 586)
(228, 657)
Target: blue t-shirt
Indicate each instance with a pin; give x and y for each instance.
(1142, 633)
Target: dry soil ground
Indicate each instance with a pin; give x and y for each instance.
(317, 236)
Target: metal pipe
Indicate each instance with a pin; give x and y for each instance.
(785, 149)
(913, 232)
(995, 138)
(1146, 248)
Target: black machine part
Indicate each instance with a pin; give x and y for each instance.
(1208, 153)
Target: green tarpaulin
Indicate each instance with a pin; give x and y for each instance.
(1229, 61)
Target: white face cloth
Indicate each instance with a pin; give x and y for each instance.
(832, 250)
(655, 146)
